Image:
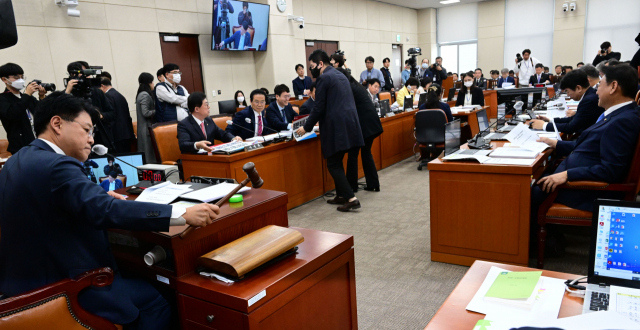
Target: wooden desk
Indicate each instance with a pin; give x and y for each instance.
(471, 128)
(315, 289)
(490, 102)
(397, 140)
(453, 315)
(493, 222)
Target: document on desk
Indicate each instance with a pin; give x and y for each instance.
(625, 301)
(521, 136)
(555, 113)
(212, 193)
(510, 161)
(299, 123)
(545, 307)
(480, 156)
(163, 193)
(511, 152)
(589, 321)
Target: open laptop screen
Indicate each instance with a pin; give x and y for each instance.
(452, 137)
(483, 121)
(617, 241)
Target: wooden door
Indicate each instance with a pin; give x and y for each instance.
(397, 65)
(328, 46)
(186, 54)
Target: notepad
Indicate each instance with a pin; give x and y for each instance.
(514, 152)
(514, 285)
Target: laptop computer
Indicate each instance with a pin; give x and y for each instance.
(614, 256)
(452, 93)
(384, 108)
(483, 124)
(422, 100)
(452, 141)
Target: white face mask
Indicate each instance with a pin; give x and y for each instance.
(240, 99)
(425, 65)
(18, 84)
(468, 83)
(176, 78)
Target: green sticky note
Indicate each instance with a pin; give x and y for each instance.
(482, 325)
(514, 285)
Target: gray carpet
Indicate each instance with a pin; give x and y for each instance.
(397, 285)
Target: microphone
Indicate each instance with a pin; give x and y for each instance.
(230, 122)
(101, 150)
(517, 107)
(269, 128)
(474, 144)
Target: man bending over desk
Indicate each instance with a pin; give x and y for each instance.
(198, 131)
(603, 152)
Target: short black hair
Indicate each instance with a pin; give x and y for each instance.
(478, 69)
(559, 65)
(279, 89)
(245, 4)
(266, 91)
(580, 63)
(10, 69)
(424, 82)
(540, 65)
(169, 67)
(626, 77)
(385, 60)
(511, 71)
(449, 74)
(313, 87)
(373, 81)
(113, 174)
(66, 106)
(195, 100)
(160, 72)
(299, 66)
(106, 74)
(574, 79)
(605, 44)
(567, 67)
(74, 67)
(369, 58)
(406, 61)
(546, 68)
(258, 92)
(439, 58)
(413, 81)
(318, 56)
(110, 159)
(526, 51)
(105, 81)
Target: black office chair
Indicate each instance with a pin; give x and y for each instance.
(429, 129)
(227, 107)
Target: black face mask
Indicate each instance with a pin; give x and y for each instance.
(315, 73)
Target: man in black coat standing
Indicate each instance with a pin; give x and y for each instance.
(340, 131)
(122, 127)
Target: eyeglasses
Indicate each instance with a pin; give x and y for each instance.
(259, 102)
(172, 72)
(18, 76)
(90, 133)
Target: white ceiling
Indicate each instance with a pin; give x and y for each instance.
(421, 4)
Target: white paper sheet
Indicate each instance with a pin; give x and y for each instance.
(163, 193)
(480, 156)
(510, 161)
(625, 301)
(525, 138)
(589, 321)
(546, 307)
(209, 194)
(514, 152)
(555, 113)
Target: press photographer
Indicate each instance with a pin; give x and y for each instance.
(605, 54)
(17, 108)
(84, 82)
(525, 67)
(439, 72)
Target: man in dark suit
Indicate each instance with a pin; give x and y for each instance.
(339, 125)
(54, 219)
(241, 39)
(308, 105)
(122, 127)
(576, 85)
(539, 77)
(505, 78)
(388, 80)
(112, 179)
(16, 108)
(280, 113)
(302, 83)
(478, 80)
(251, 120)
(603, 152)
(198, 131)
(112, 166)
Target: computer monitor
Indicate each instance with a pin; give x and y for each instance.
(422, 100)
(133, 158)
(384, 107)
(452, 133)
(452, 93)
(408, 102)
(614, 257)
(483, 120)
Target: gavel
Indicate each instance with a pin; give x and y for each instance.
(252, 175)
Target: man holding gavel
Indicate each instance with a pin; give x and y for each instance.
(54, 219)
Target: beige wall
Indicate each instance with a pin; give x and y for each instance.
(427, 33)
(491, 35)
(568, 34)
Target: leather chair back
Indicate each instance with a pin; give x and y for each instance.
(221, 122)
(250, 29)
(122, 178)
(384, 96)
(227, 107)
(4, 144)
(638, 97)
(102, 178)
(430, 126)
(164, 138)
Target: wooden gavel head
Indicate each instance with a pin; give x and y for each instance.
(250, 169)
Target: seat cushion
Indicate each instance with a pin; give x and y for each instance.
(54, 314)
(558, 210)
(167, 142)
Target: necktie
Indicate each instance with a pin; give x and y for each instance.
(203, 131)
(259, 125)
(538, 79)
(600, 118)
(282, 112)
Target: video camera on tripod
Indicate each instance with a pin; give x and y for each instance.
(413, 63)
(223, 20)
(85, 81)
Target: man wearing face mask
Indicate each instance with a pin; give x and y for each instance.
(171, 97)
(16, 108)
(423, 66)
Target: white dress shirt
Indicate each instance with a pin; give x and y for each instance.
(170, 96)
(616, 107)
(176, 211)
(289, 125)
(255, 124)
(526, 70)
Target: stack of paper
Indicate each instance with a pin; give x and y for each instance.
(163, 193)
(212, 193)
(517, 289)
(521, 136)
(510, 152)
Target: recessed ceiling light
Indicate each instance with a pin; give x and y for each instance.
(446, 2)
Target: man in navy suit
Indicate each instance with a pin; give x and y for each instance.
(576, 85)
(308, 105)
(251, 120)
(302, 83)
(54, 219)
(241, 39)
(539, 77)
(505, 78)
(340, 131)
(198, 131)
(604, 151)
(280, 113)
(112, 183)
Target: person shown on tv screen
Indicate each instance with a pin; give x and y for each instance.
(112, 166)
(112, 183)
(241, 39)
(221, 26)
(245, 14)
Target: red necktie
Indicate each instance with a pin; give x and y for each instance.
(203, 131)
(259, 125)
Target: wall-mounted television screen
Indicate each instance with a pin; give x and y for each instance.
(239, 25)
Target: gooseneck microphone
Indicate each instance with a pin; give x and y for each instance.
(230, 122)
(101, 150)
(475, 144)
(269, 128)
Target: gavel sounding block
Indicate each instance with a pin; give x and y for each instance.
(251, 251)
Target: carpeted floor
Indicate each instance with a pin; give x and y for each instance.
(397, 285)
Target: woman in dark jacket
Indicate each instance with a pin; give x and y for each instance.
(469, 94)
(434, 94)
(371, 128)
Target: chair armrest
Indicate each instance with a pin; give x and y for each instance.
(596, 185)
(168, 162)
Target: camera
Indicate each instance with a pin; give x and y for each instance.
(518, 57)
(298, 19)
(84, 85)
(414, 51)
(604, 50)
(565, 7)
(47, 87)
